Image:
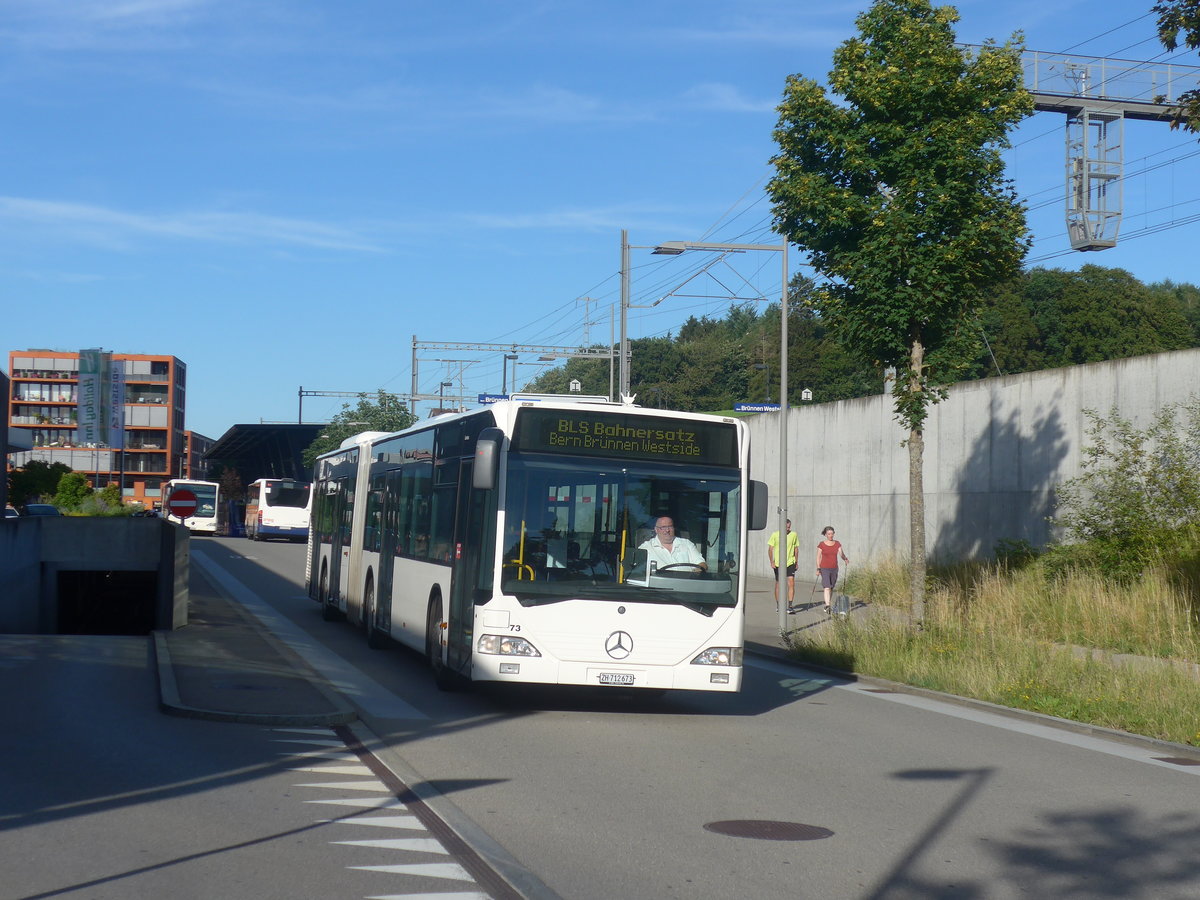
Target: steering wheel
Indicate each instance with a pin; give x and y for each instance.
(695, 567)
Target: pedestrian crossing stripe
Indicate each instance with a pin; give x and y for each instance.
(358, 778)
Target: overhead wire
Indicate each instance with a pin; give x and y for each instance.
(654, 279)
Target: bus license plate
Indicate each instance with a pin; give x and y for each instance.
(616, 678)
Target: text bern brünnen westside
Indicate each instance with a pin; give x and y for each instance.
(583, 435)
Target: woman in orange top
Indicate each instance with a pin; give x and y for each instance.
(828, 552)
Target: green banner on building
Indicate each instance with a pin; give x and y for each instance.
(101, 403)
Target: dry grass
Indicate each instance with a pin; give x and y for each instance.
(1006, 637)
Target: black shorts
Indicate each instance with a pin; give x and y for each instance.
(791, 571)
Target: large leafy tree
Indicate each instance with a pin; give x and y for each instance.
(386, 412)
(1047, 318)
(896, 189)
(34, 480)
(1181, 19)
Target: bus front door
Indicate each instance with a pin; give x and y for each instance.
(473, 536)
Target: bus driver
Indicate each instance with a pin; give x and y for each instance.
(666, 549)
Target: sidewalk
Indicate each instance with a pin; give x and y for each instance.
(762, 619)
(224, 666)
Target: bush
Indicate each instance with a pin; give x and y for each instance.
(1137, 500)
(73, 490)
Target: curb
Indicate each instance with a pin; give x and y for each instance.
(1185, 751)
(172, 704)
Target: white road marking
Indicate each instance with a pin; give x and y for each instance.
(353, 683)
(407, 823)
(358, 771)
(422, 841)
(417, 845)
(324, 754)
(428, 870)
(373, 785)
(388, 802)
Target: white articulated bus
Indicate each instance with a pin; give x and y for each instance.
(507, 543)
(277, 507)
(210, 517)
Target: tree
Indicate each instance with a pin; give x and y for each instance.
(34, 480)
(110, 495)
(73, 489)
(1176, 17)
(898, 195)
(1046, 318)
(384, 413)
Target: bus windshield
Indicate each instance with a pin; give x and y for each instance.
(578, 528)
(287, 493)
(206, 499)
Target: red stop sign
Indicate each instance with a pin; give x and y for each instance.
(181, 503)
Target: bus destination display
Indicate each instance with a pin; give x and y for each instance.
(616, 435)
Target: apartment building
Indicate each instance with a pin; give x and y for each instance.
(153, 446)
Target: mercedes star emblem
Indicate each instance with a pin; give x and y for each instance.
(619, 645)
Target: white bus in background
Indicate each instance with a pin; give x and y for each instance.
(505, 543)
(211, 516)
(277, 507)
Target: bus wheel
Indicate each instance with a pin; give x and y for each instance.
(376, 639)
(329, 612)
(442, 676)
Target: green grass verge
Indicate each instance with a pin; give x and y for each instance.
(1008, 638)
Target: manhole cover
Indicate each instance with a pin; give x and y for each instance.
(766, 830)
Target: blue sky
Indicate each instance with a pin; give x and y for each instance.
(283, 194)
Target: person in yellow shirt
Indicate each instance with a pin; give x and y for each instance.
(793, 559)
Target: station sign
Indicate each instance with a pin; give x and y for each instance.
(492, 398)
(756, 407)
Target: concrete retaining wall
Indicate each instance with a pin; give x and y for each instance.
(995, 451)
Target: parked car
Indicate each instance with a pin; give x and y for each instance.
(41, 509)
(10, 513)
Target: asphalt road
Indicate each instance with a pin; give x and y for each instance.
(602, 796)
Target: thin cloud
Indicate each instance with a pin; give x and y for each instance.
(581, 219)
(725, 98)
(124, 230)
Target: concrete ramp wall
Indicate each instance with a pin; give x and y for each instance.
(55, 568)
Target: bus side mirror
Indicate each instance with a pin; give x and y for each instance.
(487, 459)
(758, 506)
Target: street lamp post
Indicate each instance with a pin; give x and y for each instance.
(504, 372)
(623, 385)
(442, 393)
(674, 248)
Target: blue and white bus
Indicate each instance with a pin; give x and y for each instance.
(210, 517)
(277, 508)
(507, 543)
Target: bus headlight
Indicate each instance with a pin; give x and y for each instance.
(719, 656)
(505, 645)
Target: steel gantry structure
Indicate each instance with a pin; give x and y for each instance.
(510, 351)
(1097, 95)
